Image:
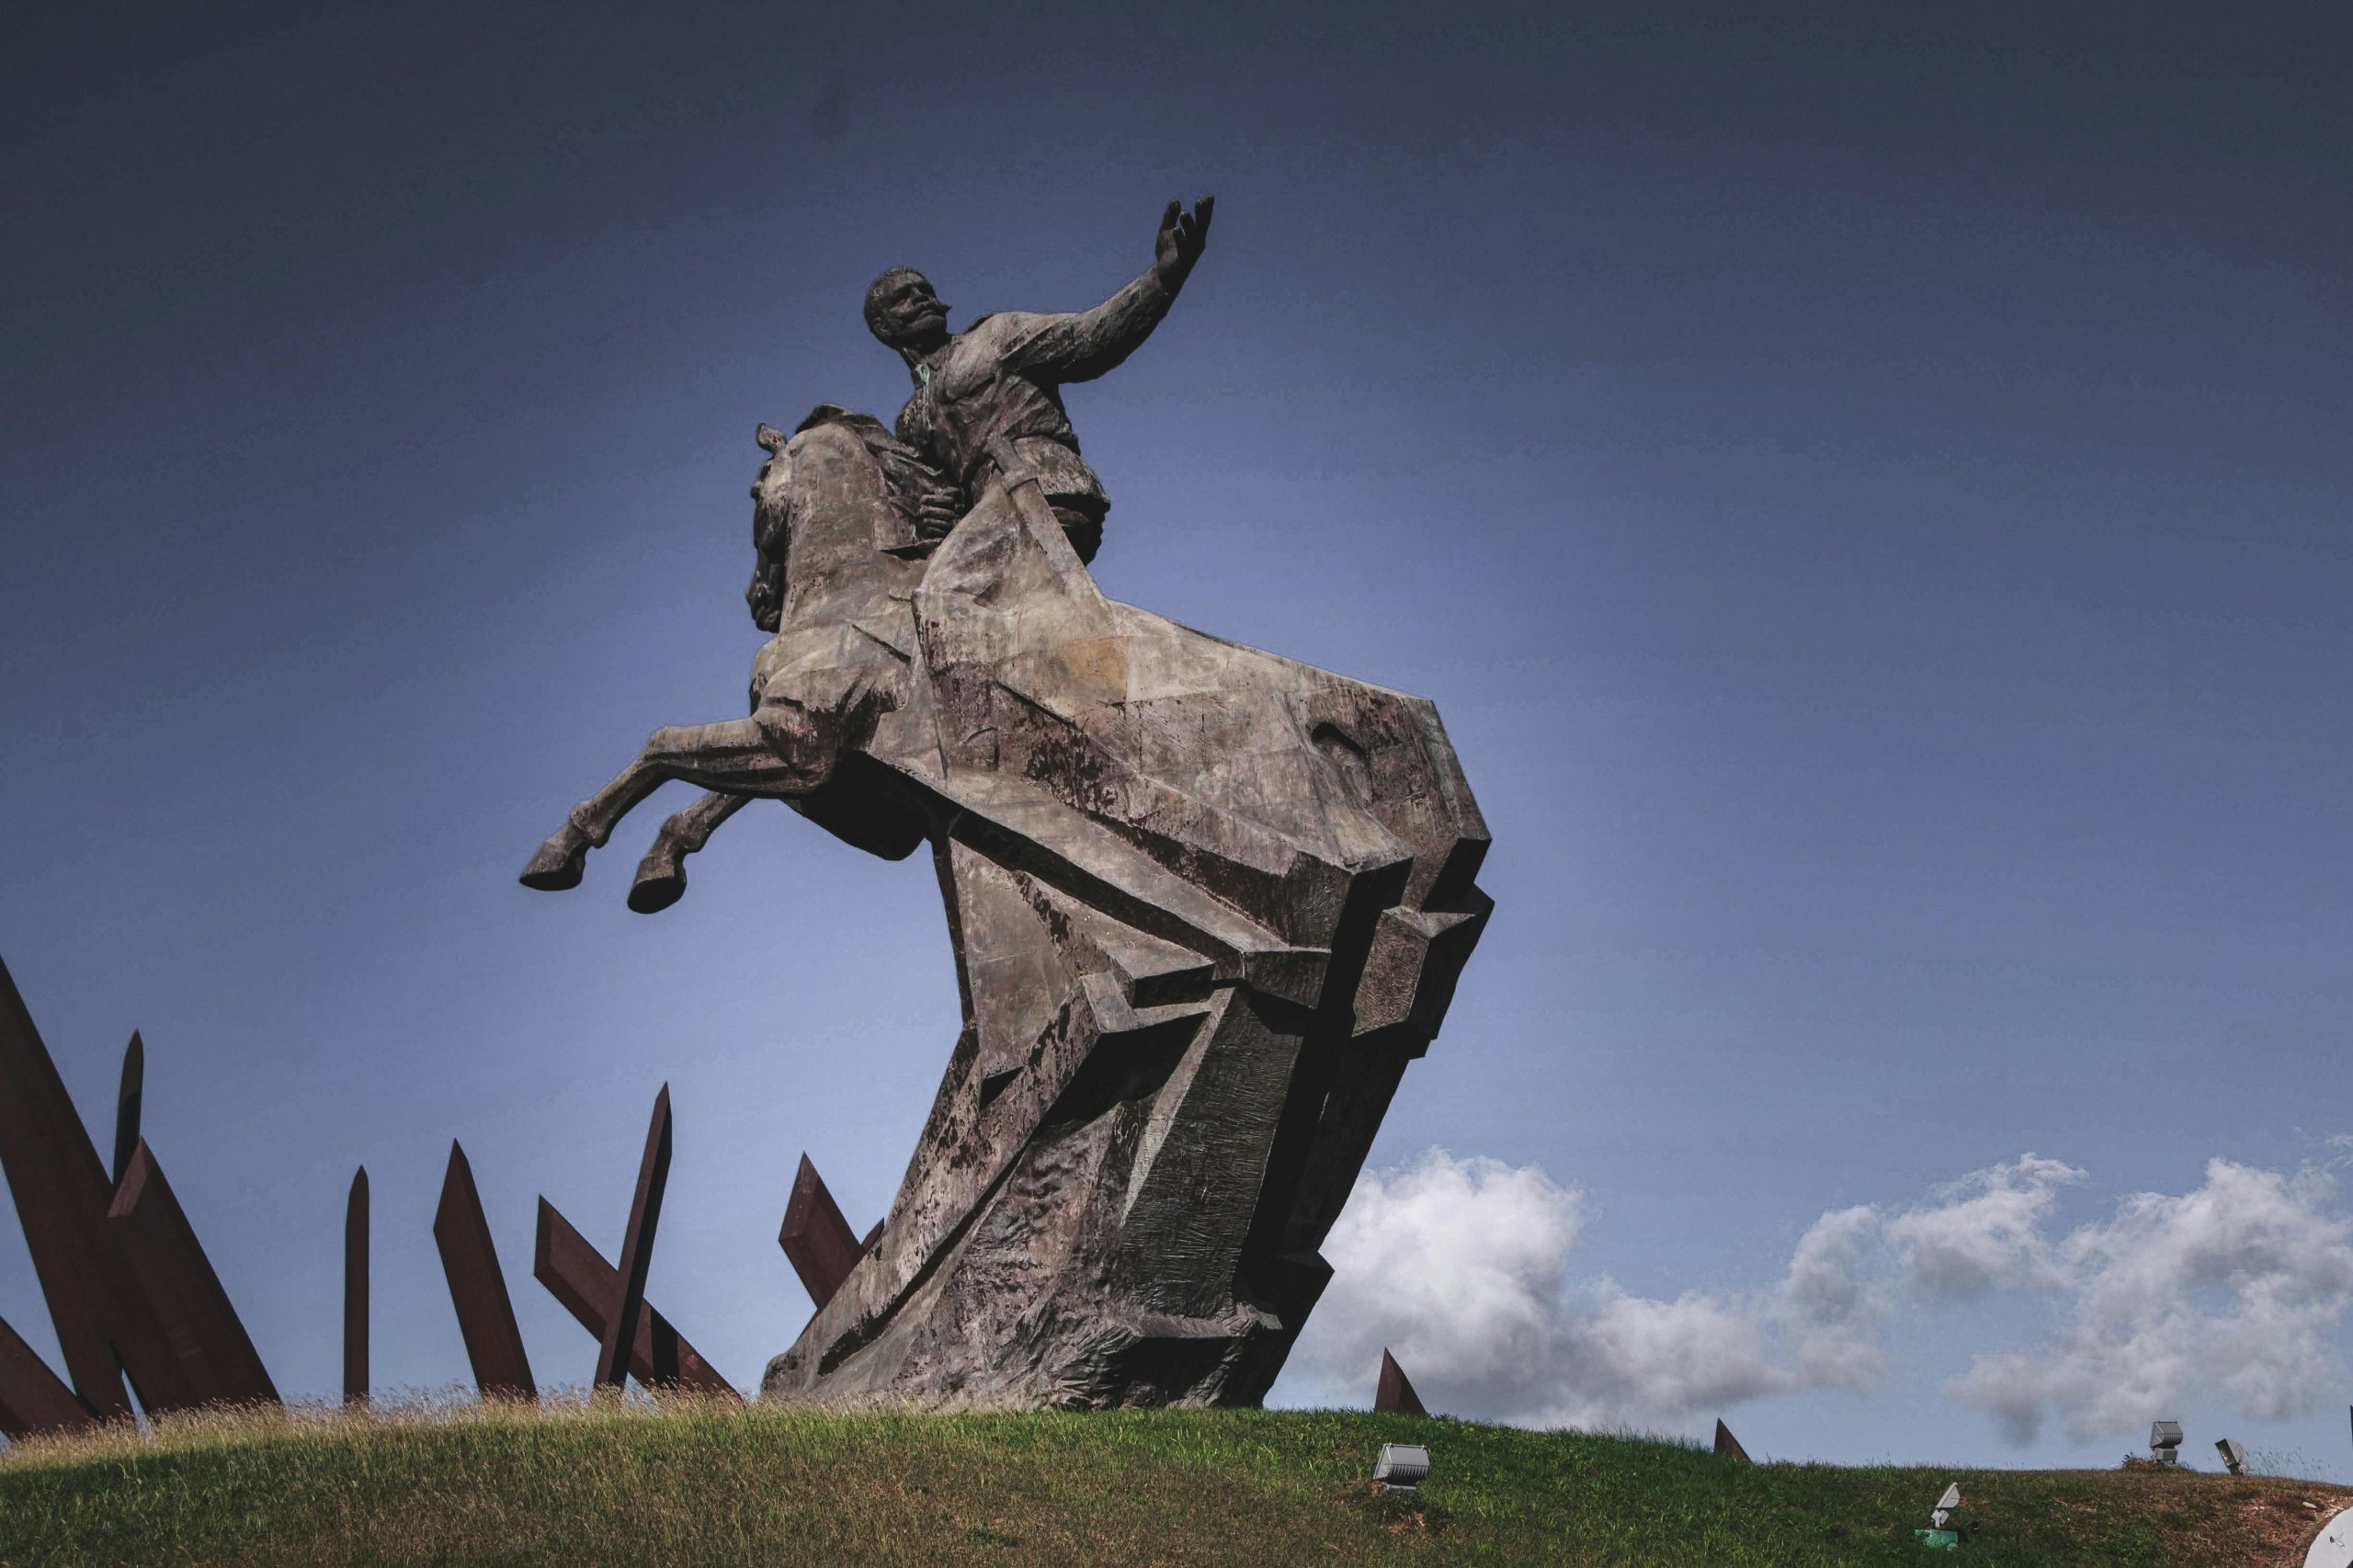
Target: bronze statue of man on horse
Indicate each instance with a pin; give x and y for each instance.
(1207, 903)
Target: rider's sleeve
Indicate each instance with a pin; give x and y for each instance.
(1083, 344)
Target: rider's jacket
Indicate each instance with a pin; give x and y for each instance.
(1003, 375)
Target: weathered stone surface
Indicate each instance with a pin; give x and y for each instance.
(1206, 904)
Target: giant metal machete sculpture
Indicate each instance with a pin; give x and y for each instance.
(1206, 902)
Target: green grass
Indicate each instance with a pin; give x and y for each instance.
(697, 1484)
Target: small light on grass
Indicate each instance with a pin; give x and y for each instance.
(2234, 1456)
(2165, 1441)
(1937, 1538)
(1402, 1467)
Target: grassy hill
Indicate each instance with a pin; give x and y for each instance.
(697, 1484)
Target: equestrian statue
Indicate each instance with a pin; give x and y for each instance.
(1206, 904)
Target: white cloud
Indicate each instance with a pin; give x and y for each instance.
(1984, 1231)
(1457, 1265)
(2233, 1292)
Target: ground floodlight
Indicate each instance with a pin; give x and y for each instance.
(2165, 1441)
(1938, 1536)
(1401, 1466)
(2234, 1456)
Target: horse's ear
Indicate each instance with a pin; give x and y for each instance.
(771, 439)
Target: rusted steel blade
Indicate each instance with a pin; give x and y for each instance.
(104, 1324)
(1728, 1446)
(186, 1294)
(355, 1291)
(1394, 1395)
(576, 1274)
(33, 1399)
(822, 1247)
(127, 1097)
(477, 1288)
(637, 1248)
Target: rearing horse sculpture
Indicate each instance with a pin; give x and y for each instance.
(1206, 904)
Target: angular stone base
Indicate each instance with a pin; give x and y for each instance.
(1206, 905)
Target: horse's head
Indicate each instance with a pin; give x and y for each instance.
(884, 500)
(772, 492)
(771, 528)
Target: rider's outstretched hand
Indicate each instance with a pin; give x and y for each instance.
(1182, 235)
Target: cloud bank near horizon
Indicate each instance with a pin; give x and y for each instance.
(2231, 1292)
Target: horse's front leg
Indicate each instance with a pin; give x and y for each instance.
(662, 875)
(558, 864)
(758, 756)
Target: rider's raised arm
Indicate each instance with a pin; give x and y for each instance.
(1082, 345)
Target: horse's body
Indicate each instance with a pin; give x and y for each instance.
(1207, 903)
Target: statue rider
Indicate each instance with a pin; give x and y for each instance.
(1003, 376)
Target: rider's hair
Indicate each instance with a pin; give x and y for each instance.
(876, 322)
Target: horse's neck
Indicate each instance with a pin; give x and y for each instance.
(836, 566)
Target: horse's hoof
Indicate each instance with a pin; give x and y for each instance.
(657, 887)
(558, 865)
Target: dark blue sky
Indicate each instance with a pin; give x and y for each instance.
(1869, 493)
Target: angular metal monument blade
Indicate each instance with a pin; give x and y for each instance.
(104, 1324)
(33, 1400)
(477, 1288)
(576, 1274)
(185, 1295)
(127, 1097)
(1394, 1395)
(355, 1291)
(637, 1247)
(818, 1241)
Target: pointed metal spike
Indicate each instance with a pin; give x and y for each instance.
(102, 1321)
(1394, 1394)
(156, 1239)
(578, 1275)
(355, 1291)
(477, 1288)
(33, 1399)
(637, 1246)
(127, 1098)
(818, 1241)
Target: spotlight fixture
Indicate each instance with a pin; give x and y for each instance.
(1402, 1467)
(1943, 1534)
(2234, 1456)
(2165, 1441)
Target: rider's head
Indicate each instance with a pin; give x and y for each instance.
(901, 309)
